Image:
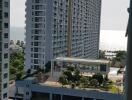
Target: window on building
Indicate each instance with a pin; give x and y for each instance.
(0, 56)
(27, 93)
(5, 85)
(36, 43)
(0, 46)
(0, 25)
(5, 25)
(36, 67)
(36, 37)
(5, 65)
(6, 4)
(5, 95)
(31, 49)
(5, 75)
(35, 49)
(6, 55)
(5, 45)
(27, 85)
(0, 35)
(37, 1)
(32, 7)
(35, 55)
(0, 14)
(6, 35)
(36, 61)
(6, 15)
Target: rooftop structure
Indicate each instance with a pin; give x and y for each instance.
(82, 61)
(84, 65)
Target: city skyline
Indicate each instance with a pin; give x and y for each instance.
(109, 20)
(108, 8)
(68, 50)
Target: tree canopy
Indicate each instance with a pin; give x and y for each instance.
(16, 64)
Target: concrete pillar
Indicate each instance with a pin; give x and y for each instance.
(52, 66)
(50, 96)
(128, 74)
(61, 97)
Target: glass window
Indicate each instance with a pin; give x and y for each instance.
(35, 49)
(5, 85)
(0, 14)
(6, 35)
(0, 25)
(6, 55)
(5, 95)
(37, 1)
(5, 75)
(27, 93)
(36, 61)
(36, 43)
(6, 15)
(6, 4)
(5, 45)
(35, 55)
(5, 25)
(5, 65)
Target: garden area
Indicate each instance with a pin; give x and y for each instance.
(72, 77)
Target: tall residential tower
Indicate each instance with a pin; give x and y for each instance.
(47, 27)
(4, 51)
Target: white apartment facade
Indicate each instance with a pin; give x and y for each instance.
(47, 25)
(4, 48)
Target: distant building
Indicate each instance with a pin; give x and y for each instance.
(110, 54)
(15, 48)
(4, 48)
(47, 30)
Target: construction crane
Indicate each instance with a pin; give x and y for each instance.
(128, 73)
(69, 29)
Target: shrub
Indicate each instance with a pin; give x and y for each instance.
(94, 82)
(98, 77)
(63, 80)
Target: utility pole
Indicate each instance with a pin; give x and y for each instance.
(128, 74)
(69, 29)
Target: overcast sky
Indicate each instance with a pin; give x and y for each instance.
(114, 14)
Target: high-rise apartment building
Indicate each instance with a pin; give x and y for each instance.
(4, 51)
(47, 30)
